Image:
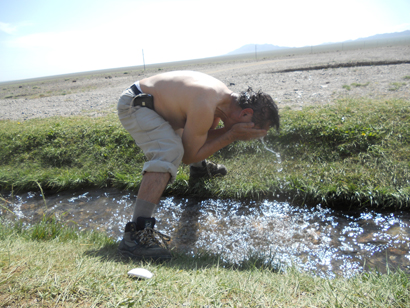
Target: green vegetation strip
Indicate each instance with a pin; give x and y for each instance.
(350, 154)
(50, 265)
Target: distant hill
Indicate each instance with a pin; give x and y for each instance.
(249, 48)
(384, 36)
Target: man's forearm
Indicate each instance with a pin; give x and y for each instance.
(217, 141)
(215, 133)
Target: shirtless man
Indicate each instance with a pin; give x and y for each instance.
(180, 125)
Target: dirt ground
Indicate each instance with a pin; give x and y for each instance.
(321, 78)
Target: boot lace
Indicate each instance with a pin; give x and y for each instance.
(151, 237)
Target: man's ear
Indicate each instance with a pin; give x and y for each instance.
(246, 112)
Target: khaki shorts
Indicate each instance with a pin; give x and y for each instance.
(155, 136)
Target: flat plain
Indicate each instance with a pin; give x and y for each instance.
(294, 81)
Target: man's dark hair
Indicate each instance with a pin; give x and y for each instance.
(264, 108)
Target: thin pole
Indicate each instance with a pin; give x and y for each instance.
(143, 59)
(256, 54)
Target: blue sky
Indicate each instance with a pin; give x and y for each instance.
(50, 37)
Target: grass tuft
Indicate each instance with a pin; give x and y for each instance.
(396, 86)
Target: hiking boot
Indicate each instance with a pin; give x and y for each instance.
(142, 242)
(208, 170)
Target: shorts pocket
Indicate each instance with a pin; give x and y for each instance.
(148, 119)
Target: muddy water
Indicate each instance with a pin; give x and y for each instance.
(318, 240)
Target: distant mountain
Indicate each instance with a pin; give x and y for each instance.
(251, 48)
(384, 36)
(395, 35)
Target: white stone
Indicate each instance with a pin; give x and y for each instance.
(140, 273)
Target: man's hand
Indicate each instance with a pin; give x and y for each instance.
(246, 131)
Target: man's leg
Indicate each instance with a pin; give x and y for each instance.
(151, 133)
(140, 240)
(152, 186)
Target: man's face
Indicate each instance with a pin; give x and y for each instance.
(266, 126)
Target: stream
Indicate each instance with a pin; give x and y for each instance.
(322, 241)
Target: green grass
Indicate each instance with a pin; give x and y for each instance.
(351, 154)
(356, 85)
(396, 86)
(50, 265)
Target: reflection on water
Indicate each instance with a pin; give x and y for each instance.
(319, 240)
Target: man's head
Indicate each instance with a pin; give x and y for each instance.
(265, 110)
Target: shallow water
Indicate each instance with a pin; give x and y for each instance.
(322, 241)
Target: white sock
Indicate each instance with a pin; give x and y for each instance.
(143, 208)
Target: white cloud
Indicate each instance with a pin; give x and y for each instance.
(71, 51)
(9, 29)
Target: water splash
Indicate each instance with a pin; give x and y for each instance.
(278, 159)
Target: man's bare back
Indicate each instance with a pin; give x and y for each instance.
(179, 93)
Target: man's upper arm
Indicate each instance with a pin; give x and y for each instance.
(199, 121)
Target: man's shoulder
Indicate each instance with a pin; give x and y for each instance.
(191, 78)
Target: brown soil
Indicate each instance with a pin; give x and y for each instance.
(293, 81)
